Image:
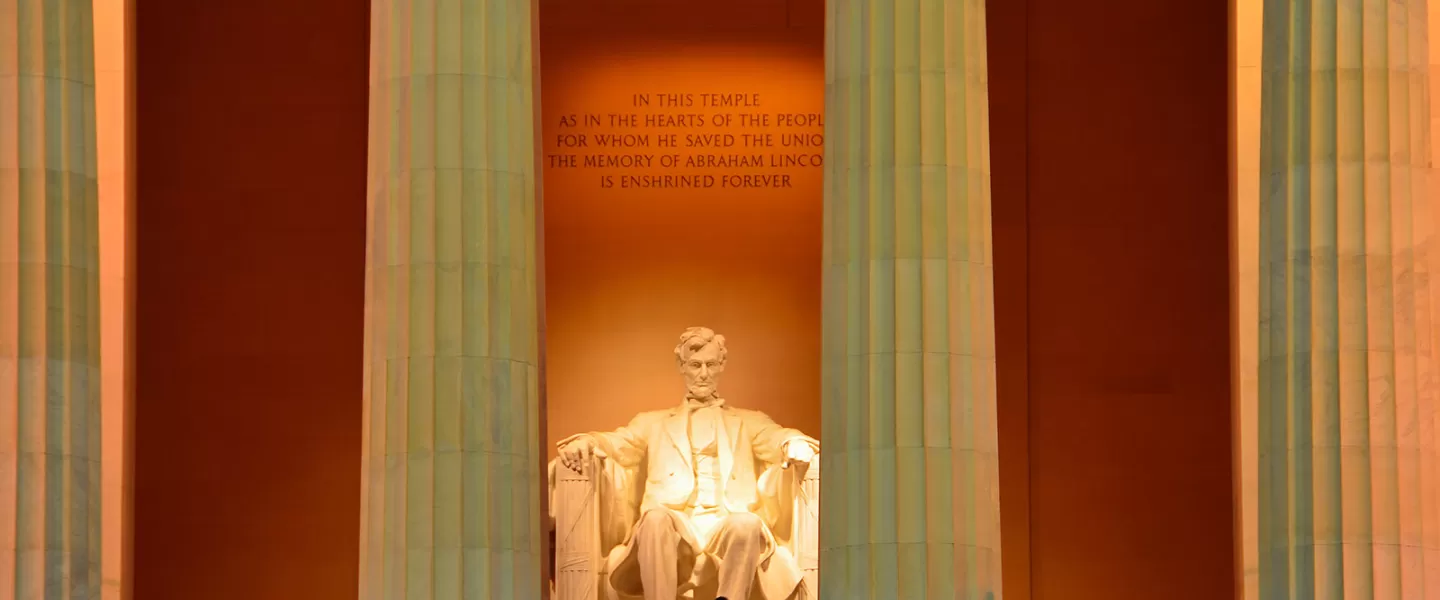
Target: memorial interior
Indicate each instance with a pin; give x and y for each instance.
(312, 300)
(1087, 117)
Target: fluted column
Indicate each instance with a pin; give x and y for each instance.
(49, 303)
(911, 504)
(451, 504)
(1346, 418)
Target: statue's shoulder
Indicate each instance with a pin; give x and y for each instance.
(747, 413)
(650, 416)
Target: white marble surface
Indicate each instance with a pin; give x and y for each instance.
(722, 488)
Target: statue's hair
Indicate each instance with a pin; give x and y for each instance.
(696, 338)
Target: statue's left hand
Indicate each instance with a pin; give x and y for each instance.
(800, 451)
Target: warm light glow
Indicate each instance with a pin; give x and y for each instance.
(1246, 271)
(111, 113)
(628, 269)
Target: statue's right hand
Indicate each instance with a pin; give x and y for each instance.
(578, 452)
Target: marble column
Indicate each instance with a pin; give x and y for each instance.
(1347, 477)
(451, 502)
(911, 492)
(49, 303)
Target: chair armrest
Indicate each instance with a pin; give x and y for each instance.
(807, 524)
(573, 504)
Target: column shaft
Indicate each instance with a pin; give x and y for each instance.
(1347, 477)
(911, 480)
(451, 504)
(49, 303)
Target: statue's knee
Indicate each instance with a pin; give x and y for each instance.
(656, 520)
(746, 524)
(655, 529)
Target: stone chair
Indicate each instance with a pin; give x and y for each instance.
(593, 516)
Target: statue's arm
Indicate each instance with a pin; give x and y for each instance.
(625, 445)
(770, 438)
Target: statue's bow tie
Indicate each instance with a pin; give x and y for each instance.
(695, 404)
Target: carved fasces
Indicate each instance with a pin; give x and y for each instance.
(577, 532)
(807, 525)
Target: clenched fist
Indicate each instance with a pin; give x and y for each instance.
(577, 453)
(798, 451)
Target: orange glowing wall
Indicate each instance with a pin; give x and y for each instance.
(1127, 276)
(626, 270)
(114, 88)
(250, 171)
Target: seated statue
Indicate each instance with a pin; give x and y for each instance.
(705, 520)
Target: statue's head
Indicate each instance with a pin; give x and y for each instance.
(701, 357)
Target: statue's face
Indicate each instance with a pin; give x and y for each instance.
(702, 371)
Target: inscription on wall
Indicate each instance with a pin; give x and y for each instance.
(690, 140)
